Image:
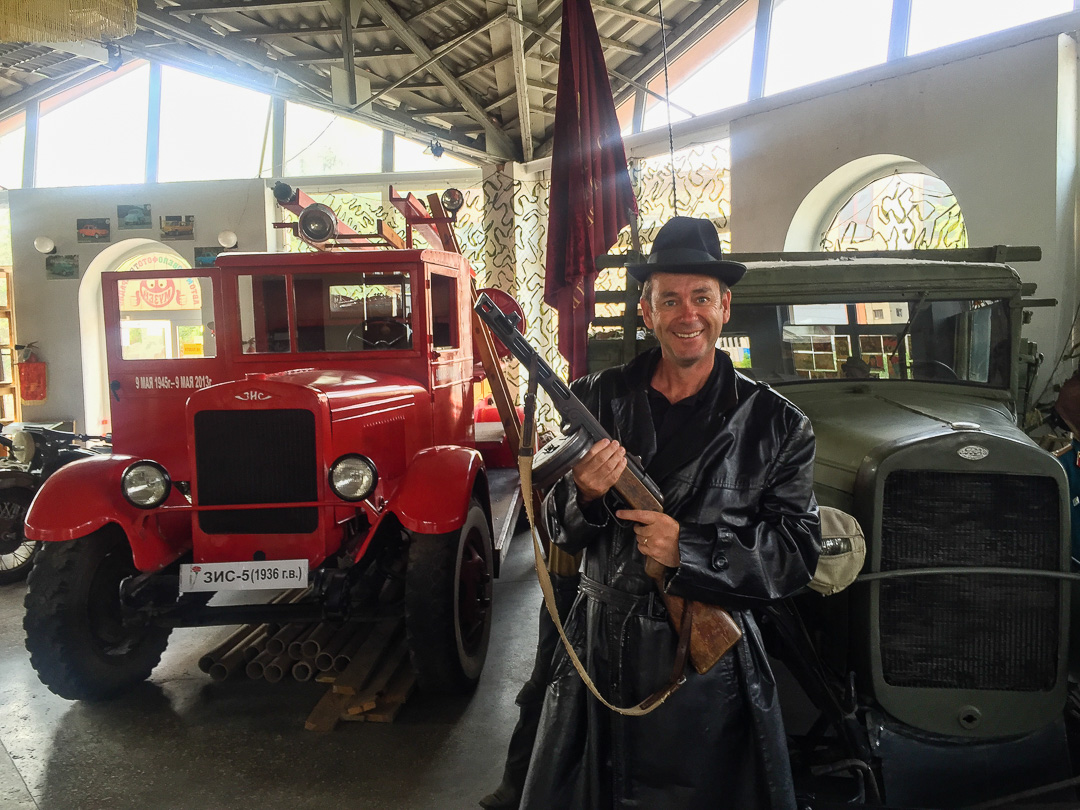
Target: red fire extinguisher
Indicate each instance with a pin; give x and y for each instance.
(33, 379)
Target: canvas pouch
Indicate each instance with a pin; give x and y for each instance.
(843, 551)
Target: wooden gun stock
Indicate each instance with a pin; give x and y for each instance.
(712, 630)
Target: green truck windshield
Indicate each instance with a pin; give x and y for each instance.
(956, 341)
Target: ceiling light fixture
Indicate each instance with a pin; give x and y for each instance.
(44, 244)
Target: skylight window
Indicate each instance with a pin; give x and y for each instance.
(813, 40)
(98, 137)
(12, 140)
(410, 156)
(210, 130)
(320, 143)
(936, 23)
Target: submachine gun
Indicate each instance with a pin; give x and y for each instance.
(712, 630)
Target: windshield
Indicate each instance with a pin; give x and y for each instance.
(333, 312)
(957, 341)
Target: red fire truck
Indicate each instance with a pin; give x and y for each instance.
(278, 420)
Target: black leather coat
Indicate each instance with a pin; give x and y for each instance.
(738, 479)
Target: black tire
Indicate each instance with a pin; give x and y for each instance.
(78, 644)
(448, 587)
(16, 552)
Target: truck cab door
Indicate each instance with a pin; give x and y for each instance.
(164, 340)
(451, 358)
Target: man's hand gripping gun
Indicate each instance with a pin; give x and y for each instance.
(712, 630)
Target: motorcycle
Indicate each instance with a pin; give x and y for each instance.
(34, 453)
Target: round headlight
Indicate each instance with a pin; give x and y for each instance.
(353, 477)
(145, 484)
(22, 446)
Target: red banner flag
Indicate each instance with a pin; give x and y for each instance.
(591, 196)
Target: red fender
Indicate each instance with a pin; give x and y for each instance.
(433, 497)
(83, 496)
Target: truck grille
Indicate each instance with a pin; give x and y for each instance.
(974, 631)
(249, 457)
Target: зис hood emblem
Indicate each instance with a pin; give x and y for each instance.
(252, 396)
(973, 452)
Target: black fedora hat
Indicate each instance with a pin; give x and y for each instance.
(688, 245)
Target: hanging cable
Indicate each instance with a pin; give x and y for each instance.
(667, 105)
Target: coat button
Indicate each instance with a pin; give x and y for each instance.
(720, 561)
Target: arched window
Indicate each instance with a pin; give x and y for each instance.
(904, 210)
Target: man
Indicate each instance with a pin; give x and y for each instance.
(740, 528)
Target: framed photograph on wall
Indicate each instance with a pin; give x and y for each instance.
(206, 256)
(93, 230)
(175, 227)
(133, 217)
(62, 266)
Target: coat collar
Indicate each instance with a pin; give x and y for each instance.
(633, 416)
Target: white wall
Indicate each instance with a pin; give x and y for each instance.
(47, 310)
(999, 128)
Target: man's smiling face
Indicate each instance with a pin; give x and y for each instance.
(686, 313)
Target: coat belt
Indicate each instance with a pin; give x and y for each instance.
(645, 603)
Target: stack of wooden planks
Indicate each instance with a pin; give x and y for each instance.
(375, 684)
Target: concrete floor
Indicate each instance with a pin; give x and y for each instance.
(181, 741)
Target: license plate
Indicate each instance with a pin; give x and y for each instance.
(244, 576)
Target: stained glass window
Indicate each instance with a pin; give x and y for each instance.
(906, 210)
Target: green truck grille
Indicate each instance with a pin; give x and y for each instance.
(970, 631)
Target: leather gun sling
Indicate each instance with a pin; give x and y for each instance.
(653, 701)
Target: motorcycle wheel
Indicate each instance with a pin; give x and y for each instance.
(16, 552)
(75, 633)
(448, 587)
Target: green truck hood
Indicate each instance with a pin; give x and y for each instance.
(851, 419)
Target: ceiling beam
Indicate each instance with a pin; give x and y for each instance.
(498, 141)
(276, 33)
(224, 8)
(521, 80)
(505, 97)
(544, 87)
(349, 52)
(499, 57)
(333, 58)
(619, 11)
(430, 9)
